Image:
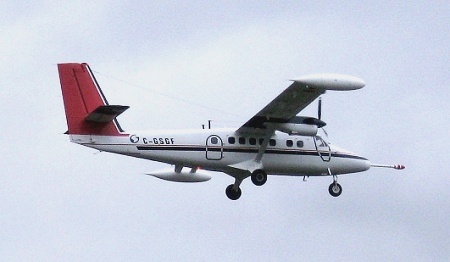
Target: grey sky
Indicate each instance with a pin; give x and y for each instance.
(60, 201)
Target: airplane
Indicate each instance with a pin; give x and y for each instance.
(275, 141)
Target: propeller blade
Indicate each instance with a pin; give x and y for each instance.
(319, 115)
(325, 132)
(319, 109)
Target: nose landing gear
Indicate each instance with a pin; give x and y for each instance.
(334, 189)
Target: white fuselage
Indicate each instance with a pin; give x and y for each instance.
(221, 149)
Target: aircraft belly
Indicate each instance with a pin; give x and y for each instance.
(294, 165)
(342, 165)
(122, 149)
(313, 165)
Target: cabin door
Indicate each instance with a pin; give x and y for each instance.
(214, 148)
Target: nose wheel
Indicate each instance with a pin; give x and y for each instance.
(335, 189)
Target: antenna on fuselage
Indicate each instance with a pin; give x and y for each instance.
(209, 125)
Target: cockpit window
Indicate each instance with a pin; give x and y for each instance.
(320, 142)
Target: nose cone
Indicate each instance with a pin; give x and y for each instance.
(357, 164)
(349, 162)
(364, 165)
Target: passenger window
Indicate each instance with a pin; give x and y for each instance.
(261, 141)
(252, 141)
(214, 140)
(231, 140)
(272, 142)
(289, 143)
(242, 140)
(299, 143)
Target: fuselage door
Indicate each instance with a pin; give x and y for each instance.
(323, 149)
(214, 148)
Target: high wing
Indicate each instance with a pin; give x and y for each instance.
(284, 107)
(280, 114)
(302, 92)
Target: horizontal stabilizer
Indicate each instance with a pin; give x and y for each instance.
(106, 113)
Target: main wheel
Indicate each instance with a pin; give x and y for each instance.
(259, 177)
(233, 194)
(335, 189)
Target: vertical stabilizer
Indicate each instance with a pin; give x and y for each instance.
(87, 110)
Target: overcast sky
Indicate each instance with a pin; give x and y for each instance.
(225, 60)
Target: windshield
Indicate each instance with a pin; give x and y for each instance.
(320, 142)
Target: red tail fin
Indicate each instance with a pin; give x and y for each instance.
(87, 111)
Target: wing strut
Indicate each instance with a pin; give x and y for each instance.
(263, 146)
(255, 164)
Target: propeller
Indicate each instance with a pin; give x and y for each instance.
(319, 114)
(319, 109)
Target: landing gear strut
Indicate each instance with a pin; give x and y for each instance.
(334, 189)
(232, 193)
(259, 177)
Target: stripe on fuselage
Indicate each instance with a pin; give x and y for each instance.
(246, 150)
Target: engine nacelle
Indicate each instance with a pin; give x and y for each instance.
(295, 129)
(186, 176)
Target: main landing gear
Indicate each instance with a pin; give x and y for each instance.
(233, 193)
(259, 178)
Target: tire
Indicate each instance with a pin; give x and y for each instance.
(259, 177)
(233, 194)
(335, 189)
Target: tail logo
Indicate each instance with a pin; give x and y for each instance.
(134, 139)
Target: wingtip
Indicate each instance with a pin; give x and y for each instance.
(337, 82)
